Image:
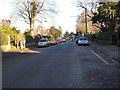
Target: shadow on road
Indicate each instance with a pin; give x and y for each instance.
(14, 52)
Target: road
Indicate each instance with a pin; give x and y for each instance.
(65, 65)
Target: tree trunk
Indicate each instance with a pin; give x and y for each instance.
(32, 21)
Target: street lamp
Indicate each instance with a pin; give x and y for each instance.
(41, 22)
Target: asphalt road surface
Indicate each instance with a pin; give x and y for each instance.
(65, 65)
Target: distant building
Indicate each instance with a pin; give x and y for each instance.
(6, 21)
(41, 31)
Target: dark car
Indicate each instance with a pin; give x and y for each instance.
(76, 39)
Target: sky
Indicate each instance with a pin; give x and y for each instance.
(66, 18)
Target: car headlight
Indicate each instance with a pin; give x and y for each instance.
(39, 43)
(79, 41)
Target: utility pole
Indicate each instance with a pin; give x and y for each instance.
(86, 20)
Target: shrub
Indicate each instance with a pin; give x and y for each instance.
(36, 39)
(103, 36)
(11, 31)
(27, 33)
(5, 40)
(29, 39)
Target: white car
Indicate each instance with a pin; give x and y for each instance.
(63, 40)
(83, 41)
(43, 42)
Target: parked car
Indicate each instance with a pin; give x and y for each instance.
(52, 41)
(63, 40)
(58, 41)
(43, 42)
(82, 41)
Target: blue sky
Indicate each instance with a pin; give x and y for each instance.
(65, 18)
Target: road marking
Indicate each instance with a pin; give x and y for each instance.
(99, 57)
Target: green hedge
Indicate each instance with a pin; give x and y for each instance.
(31, 39)
(105, 37)
(5, 39)
(36, 39)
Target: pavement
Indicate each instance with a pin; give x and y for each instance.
(15, 51)
(111, 51)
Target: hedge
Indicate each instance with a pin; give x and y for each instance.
(31, 39)
(105, 37)
(36, 39)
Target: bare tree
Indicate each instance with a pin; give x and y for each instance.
(90, 9)
(32, 10)
(89, 5)
(80, 27)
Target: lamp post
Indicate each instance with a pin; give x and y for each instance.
(42, 27)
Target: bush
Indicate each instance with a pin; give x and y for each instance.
(5, 40)
(11, 31)
(36, 39)
(29, 39)
(105, 37)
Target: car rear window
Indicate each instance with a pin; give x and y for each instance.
(42, 40)
(51, 39)
(83, 38)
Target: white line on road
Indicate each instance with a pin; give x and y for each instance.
(99, 57)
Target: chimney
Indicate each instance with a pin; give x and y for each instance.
(11, 21)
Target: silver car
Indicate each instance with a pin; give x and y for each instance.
(83, 41)
(43, 42)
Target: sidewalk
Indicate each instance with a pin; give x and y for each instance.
(14, 52)
(109, 50)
